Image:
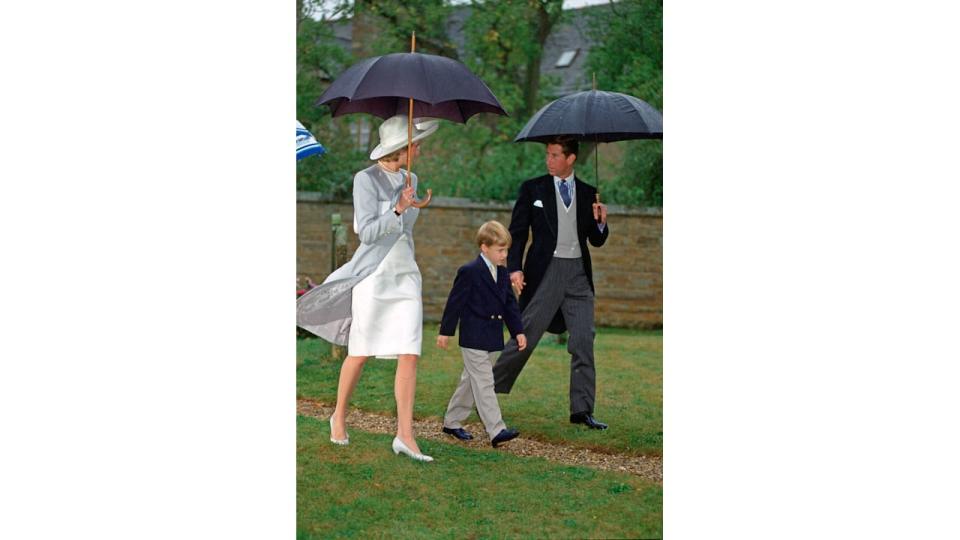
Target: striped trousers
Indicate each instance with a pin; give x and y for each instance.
(564, 287)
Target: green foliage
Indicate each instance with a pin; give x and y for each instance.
(396, 20)
(628, 58)
(504, 42)
(319, 60)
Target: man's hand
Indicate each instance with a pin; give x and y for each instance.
(516, 279)
(442, 341)
(600, 213)
(521, 342)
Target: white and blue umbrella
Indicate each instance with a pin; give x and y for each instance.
(307, 145)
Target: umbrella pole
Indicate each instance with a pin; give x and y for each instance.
(410, 143)
(596, 168)
(425, 201)
(596, 152)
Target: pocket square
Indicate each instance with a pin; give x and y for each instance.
(538, 203)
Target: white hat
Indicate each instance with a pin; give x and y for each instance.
(393, 134)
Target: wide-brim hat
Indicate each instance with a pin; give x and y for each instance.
(393, 134)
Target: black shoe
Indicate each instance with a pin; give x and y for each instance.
(504, 436)
(588, 419)
(459, 433)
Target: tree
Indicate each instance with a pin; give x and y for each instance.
(503, 45)
(628, 58)
(319, 60)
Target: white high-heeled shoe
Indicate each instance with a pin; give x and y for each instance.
(398, 447)
(341, 442)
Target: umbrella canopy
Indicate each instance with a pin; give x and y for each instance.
(307, 145)
(440, 88)
(595, 116)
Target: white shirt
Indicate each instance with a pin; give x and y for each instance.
(490, 266)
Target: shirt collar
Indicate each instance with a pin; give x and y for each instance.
(490, 265)
(569, 179)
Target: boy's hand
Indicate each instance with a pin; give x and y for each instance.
(521, 342)
(442, 341)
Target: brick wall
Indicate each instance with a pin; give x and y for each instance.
(627, 270)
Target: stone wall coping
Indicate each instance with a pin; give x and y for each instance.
(469, 204)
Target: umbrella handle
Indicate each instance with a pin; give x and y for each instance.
(425, 201)
(598, 202)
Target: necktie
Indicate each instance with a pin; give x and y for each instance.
(565, 193)
(493, 272)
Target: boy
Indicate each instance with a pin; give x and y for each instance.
(481, 300)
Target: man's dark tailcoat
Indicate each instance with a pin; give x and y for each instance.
(542, 221)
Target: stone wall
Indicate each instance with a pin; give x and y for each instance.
(627, 269)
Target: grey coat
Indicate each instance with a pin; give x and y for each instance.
(325, 310)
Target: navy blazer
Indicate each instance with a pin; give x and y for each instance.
(541, 220)
(481, 306)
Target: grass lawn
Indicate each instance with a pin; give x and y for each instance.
(629, 388)
(363, 490)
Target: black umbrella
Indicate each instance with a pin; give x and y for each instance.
(422, 85)
(594, 116)
(440, 87)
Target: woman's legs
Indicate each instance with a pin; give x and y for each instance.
(349, 375)
(404, 389)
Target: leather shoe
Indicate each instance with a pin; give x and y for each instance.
(588, 420)
(504, 436)
(399, 447)
(459, 433)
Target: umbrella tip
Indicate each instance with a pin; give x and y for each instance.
(594, 80)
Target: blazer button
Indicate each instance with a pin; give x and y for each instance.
(491, 316)
(499, 316)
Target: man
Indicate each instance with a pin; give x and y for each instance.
(556, 281)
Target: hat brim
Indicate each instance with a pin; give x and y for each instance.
(425, 128)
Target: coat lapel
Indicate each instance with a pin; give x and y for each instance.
(584, 205)
(548, 194)
(485, 275)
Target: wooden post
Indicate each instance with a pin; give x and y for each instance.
(338, 257)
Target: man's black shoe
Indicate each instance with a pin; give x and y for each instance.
(504, 436)
(588, 420)
(459, 433)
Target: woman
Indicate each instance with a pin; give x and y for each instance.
(373, 303)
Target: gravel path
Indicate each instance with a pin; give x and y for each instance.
(649, 467)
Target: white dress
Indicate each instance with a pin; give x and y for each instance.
(387, 306)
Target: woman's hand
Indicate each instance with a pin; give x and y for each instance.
(406, 199)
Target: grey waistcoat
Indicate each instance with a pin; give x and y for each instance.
(568, 246)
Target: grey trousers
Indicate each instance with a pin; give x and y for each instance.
(565, 287)
(475, 387)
